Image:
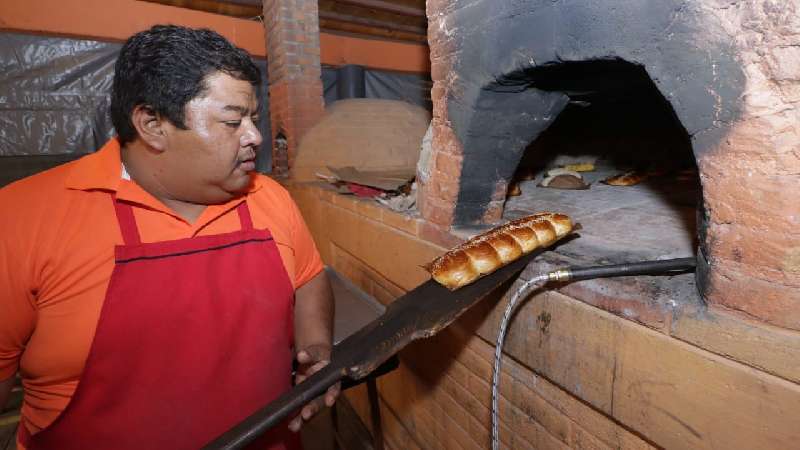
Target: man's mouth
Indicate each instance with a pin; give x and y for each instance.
(247, 165)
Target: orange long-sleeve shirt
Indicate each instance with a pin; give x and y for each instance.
(58, 230)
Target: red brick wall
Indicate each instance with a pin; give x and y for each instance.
(295, 85)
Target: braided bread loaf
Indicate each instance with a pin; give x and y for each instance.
(487, 252)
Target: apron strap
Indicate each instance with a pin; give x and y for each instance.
(127, 223)
(244, 216)
(130, 233)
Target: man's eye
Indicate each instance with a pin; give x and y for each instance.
(233, 123)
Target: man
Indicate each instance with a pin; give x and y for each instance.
(152, 293)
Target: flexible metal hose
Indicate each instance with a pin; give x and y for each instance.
(522, 292)
(669, 266)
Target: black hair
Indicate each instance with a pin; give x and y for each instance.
(165, 67)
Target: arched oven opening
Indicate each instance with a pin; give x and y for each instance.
(616, 158)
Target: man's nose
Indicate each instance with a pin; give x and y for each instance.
(251, 136)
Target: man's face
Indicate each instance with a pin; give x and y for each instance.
(211, 161)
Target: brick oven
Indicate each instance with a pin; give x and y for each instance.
(714, 81)
(703, 92)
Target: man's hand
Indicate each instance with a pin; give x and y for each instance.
(313, 337)
(310, 360)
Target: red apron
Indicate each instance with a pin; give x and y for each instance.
(194, 336)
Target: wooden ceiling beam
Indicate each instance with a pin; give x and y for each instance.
(375, 23)
(380, 5)
(383, 5)
(336, 6)
(373, 18)
(234, 8)
(363, 31)
(242, 2)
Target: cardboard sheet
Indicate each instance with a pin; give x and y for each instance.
(387, 180)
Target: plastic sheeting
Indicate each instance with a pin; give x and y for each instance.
(408, 87)
(54, 94)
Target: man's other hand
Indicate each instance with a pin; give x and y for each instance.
(310, 360)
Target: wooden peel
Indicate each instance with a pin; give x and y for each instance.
(421, 313)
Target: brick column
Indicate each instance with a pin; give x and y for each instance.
(295, 84)
(439, 180)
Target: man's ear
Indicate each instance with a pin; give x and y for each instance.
(150, 127)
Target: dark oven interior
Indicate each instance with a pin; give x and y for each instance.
(615, 121)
